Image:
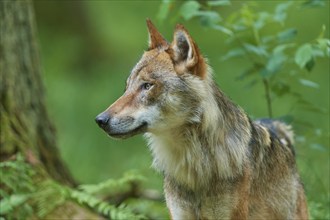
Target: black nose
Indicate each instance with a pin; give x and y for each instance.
(102, 119)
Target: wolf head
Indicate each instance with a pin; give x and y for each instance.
(163, 91)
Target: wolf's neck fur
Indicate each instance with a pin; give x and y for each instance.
(213, 147)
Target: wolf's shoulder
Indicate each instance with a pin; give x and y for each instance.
(278, 128)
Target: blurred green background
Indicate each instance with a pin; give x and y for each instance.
(88, 49)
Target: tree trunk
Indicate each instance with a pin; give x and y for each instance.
(25, 126)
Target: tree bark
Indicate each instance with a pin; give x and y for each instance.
(25, 125)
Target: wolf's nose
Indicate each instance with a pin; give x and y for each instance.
(102, 119)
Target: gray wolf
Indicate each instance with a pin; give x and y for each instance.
(216, 162)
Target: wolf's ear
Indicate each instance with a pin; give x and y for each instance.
(185, 53)
(156, 40)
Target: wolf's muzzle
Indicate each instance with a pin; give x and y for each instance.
(120, 128)
(102, 120)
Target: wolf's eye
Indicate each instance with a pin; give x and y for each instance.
(146, 86)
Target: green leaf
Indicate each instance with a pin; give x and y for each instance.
(237, 52)
(223, 29)
(218, 3)
(303, 55)
(287, 35)
(8, 204)
(267, 39)
(249, 72)
(208, 18)
(323, 29)
(312, 108)
(318, 146)
(324, 45)
(164, 9)
(309, 83)
(263, 18)
(310, 64)
(314, 3)
(280, 88)
(248, 15)
(317, 52)
(5, 206)
(287, 118)
(275, 62)
(280, 48)
(258, 50)
(189, 9)
(280, 11)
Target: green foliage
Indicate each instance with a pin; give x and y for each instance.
(49, 196)
(264, 38)
(23, 195)
(92, 70)
(104, 208)
(16, 187)
(87, 195)
(318, 210)
(277, 60)
(113, 185)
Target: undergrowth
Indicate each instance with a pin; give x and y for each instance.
(24, 195)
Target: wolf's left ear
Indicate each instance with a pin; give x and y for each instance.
(185, 53)
(156, 40)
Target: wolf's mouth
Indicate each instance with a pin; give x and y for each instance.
(123, 135)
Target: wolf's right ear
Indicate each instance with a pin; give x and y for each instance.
(156, 40)
(185, 53)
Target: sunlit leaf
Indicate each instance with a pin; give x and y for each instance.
(309, 83)
(189, 9)
(275, 63)
(313, 3)
(277, 59)
(324, 45)
(303, 55)
(208, 18)
(282, 7)
(8, 204)
(218, 3)
(258, 50)
(280, 48)
(267, 39)
(323, 29)
(317, 52)
(263, 18)
(280, 11)
(248, 16)
(222, 29)
(287, 35)
(233, 53)
(164, 9)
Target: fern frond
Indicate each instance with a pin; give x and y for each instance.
(106, 209)
(49, 196)
(113, 184)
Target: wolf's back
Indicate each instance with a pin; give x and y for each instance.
(279, 129)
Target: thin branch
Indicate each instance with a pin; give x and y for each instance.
(268, 98)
